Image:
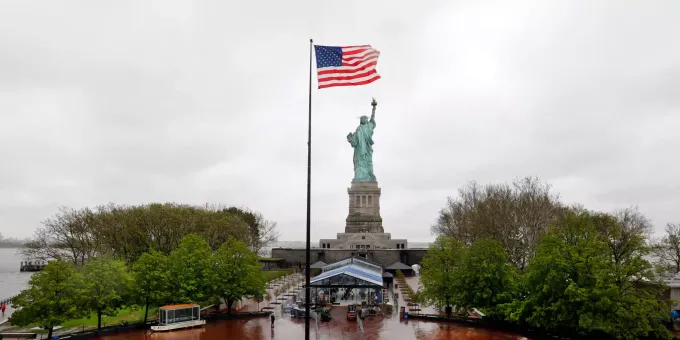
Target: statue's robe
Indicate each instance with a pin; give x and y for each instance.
(362, 142)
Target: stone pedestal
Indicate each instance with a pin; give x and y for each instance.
(364, 208)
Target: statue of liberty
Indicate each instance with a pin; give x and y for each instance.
(362, 142)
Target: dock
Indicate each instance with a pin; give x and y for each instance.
(29, 266)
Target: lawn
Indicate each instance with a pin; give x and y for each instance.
(274, 274)
(137, 315)
(126, 314)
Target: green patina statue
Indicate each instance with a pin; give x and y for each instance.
(362, 142)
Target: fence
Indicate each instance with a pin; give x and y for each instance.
(7, 301)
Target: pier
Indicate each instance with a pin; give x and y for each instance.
(29, 266)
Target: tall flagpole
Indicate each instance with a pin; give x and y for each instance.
(309, 201)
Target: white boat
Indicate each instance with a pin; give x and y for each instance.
(178, 317)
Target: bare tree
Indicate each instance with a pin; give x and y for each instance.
(261, 232)
(266, 234)
(515, 214)
(66, 235)
(625, 230)
(42, 247)
(668, 248)
(126, 232)
(633, 220)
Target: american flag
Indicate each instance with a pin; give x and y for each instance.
(346, 65)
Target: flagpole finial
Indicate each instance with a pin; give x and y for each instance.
(374, 103)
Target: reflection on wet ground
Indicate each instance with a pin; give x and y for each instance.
(376, 327)
(385, 327)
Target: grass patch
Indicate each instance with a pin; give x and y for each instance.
(126, 314)
(270, 259)
(269, 275)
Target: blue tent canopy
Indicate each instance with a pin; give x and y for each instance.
(352, 271)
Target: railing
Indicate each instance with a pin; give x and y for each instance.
(7, 301)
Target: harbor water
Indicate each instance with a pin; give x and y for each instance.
(12, 281)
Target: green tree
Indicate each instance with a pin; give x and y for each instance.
(576, 283)
(562, 280)
(238, 273)
(485, 278)
(191, 270)
(438, 272)
(54, 296)
(151, 275)
(218, 226)
(107, 286)
(638, 288)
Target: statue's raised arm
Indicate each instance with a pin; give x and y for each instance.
(374, 104)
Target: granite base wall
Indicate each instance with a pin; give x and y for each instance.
(384, 257)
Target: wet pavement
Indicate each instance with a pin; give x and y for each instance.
(387, 327)
(5, 316)
(375, 327)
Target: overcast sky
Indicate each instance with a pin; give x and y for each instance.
(152, 101)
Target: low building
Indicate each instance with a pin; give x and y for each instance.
(674, 291)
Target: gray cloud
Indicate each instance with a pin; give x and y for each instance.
(192, 102)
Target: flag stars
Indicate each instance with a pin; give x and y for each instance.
(327, 56)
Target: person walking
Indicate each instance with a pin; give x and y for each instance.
(272, 317)
(3, 307)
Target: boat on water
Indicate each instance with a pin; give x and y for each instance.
(178, 317)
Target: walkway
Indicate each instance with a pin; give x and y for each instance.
(3, 318)
(252, 306)
(414, 281)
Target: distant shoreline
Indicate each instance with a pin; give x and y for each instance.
(12, 245)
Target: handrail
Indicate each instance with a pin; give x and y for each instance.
(8, 301)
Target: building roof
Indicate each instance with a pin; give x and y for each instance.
(388, 275)
(398, 265)
(318, 265)
(363, 259)
(180, 306)
(673, 283)
(353, 267)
